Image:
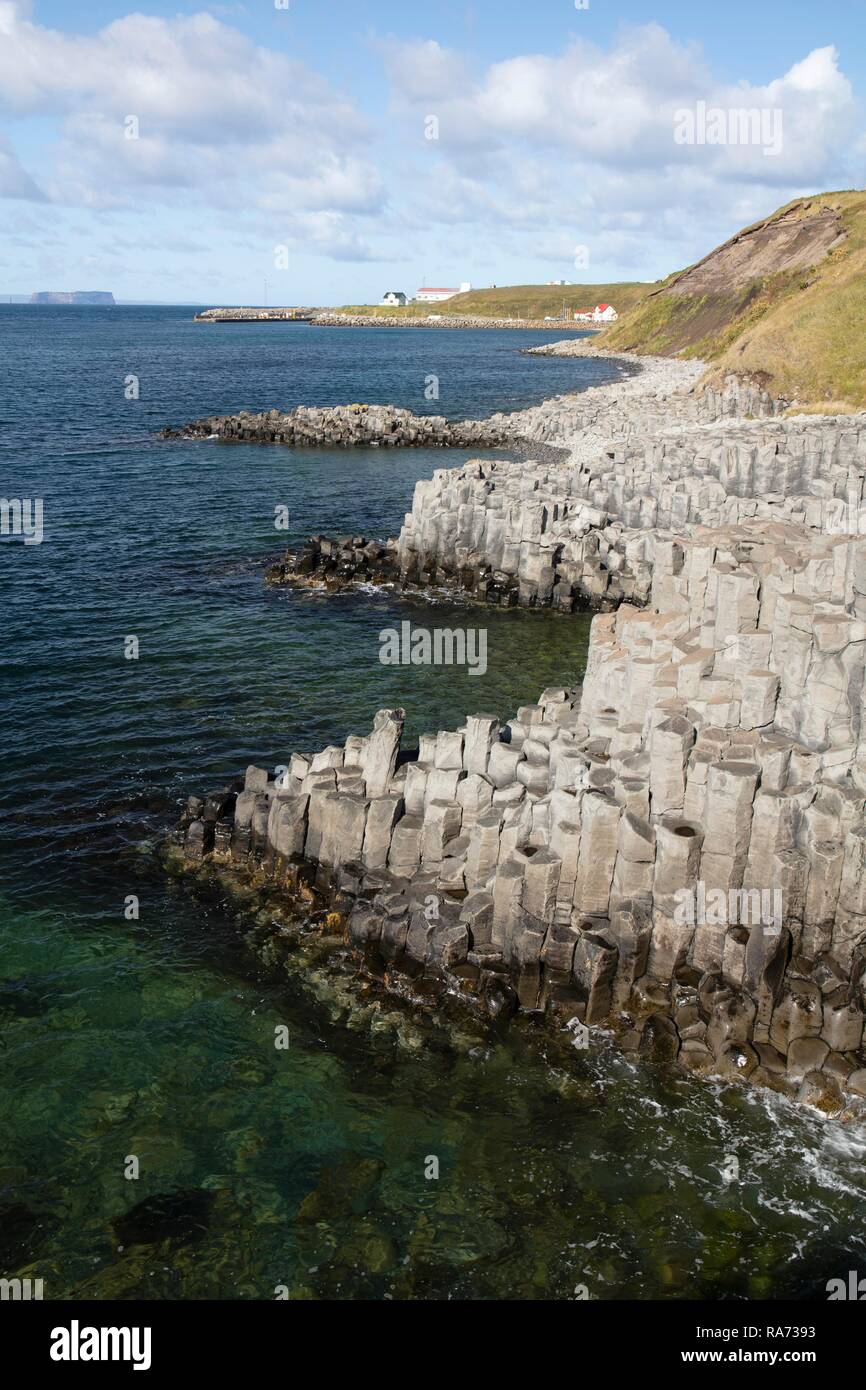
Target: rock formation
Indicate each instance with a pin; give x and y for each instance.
(677, 850)
(349, 426)
(416, 318)
(421, 319)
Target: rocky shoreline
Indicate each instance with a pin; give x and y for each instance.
(349, 426)
(654, 387)
(326, 318)
(445, 320)
(675, 851)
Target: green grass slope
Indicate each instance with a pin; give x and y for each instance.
(537, 301)
(784, 301)
(518, 301)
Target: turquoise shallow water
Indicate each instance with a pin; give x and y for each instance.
(154, 1038)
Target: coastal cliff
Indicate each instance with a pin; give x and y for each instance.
(677, 850)
(79, 297)
(783, 300)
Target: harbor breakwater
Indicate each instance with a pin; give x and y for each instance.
(675, 851)
(326, 318)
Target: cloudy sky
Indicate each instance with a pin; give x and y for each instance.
(338, 148)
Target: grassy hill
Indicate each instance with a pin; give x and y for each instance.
(520, 301)
(536, 301)
(784, 300)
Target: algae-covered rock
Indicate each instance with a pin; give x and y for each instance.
(345, 1187)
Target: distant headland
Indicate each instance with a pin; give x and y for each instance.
(72, 297)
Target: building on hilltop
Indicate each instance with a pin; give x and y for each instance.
(432, 295)
(396, 297)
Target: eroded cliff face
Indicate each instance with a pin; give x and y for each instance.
(781, 300)
(678, 849)
(794, 239)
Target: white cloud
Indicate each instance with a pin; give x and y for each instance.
(615, 107)
(582, 144)
(536, 154)
(15, 182)
(218, 117)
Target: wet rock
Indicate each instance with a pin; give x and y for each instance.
(696, 1057)
(182, 1216)
(736, 1059)
(856, 1082)
(806, 1055)
(821, 1091)
(342, 1188)
(659, 1038)
(498, 998)
(21, 1233)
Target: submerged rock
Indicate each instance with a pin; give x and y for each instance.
(21, 1231)
(346, 1187)
(181, 1216)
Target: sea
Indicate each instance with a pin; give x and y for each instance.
(155, 1142)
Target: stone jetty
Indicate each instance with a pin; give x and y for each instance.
(238, 315)
(327, 318)
(349, 426)
(675, 850)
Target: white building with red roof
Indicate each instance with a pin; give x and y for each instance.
(431, 294)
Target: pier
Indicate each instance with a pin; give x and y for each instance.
(255, 316)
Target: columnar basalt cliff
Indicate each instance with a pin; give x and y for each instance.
(591, 529)
(677, 850)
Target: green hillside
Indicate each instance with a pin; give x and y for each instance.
(519, 301)
(784, 300)
(537, 301)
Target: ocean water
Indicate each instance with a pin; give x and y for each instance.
(152, 1039)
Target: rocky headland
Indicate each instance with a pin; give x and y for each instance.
(676, 850)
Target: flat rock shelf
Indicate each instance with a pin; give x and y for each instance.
(349, 426)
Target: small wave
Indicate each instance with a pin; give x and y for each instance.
(370, 588)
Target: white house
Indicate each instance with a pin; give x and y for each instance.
(394, 297)
(435, 295)
(604, 313)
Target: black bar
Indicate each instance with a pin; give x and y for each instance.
(268, 1338)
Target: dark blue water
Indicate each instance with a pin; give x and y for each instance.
(153, 1038)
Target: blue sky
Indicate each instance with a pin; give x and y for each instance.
(333, 149)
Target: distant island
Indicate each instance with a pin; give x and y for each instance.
(72, 297)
